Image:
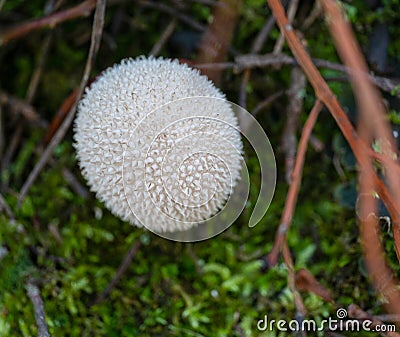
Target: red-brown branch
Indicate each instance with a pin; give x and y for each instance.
(293, 192)
(50, 21)
(323, 92)
(368, 100)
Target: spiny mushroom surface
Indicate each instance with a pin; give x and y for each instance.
(158, 144)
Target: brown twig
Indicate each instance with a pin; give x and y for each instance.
(121, 270)
(163, 38)
(301, 310)
(372, 124)
(191, 22)
(20, 106)
(83, 9)
(324, 93)
(306, 281)
(321, 88)
(218, 35)
(76, 186)
(60, 115)
(291, 13)
(354, 311)
(291, 197)
(9, 153)
(250, 61)
(315, 13)
(97, 29)
(289, 140)
(263, 104)
(255, 48)
(25, 106)
(34, 295)
(37, 74)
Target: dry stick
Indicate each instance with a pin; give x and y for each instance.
(291, 12)
(291, 197)
(301, 310)
(315, 13)
(324, 93)
(25, 106)
(37, 74)
(289, 209)
(369, 101)
(171, 11)
(388, 318)
(374, 123)
(249, 61)
(290, 205)
(9, 153)
(354, 311)
(4, 206)
(256, 47)
(20, 106)
(83, 9)
(289, 140)
(75, 184)
(298, 83)
(97, 29)
(121, 270)
(164, 38)
(322, 90)
(34, 295)
(267, 102)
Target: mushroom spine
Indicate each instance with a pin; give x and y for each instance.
(158, 144)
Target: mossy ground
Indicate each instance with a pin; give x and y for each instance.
(72, 246)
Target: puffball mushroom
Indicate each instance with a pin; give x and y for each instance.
(158, 144)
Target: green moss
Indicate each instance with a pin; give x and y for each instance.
(221, 287)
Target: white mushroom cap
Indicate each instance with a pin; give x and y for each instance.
(158, 144)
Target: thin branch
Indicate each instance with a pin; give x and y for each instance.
(262, 35)
(373, 123)
(249, 61)
(291, 197)
(321, 88)
(163, 38)
(191, 22)
(98, 23)
(34, 295)
(37, 74)
(301, 310)
(263, 104)
(315, 13)
(324, 93)
(355, 311)
(289, 140)
(20, 106)
(121, 270)
(51, 21)
(256, 48)
(291, 13)
(4, 207)
(9, 153)
(76, 186)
